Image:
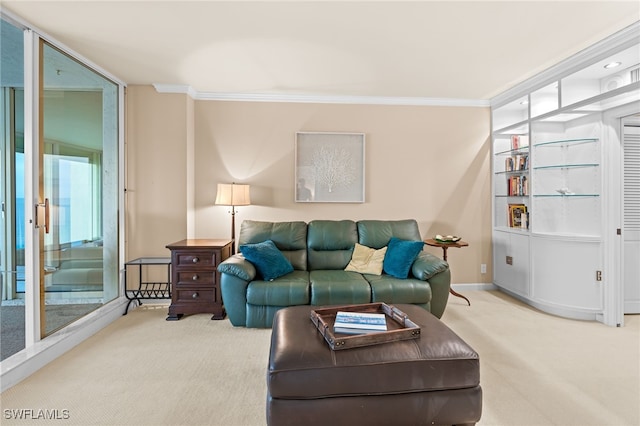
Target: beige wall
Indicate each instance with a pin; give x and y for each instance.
(157, 142)
(427, 163)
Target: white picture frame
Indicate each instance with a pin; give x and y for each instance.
(329, 167)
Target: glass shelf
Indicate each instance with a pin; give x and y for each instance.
(520, 151)
(566, 166)
(566, 142)
(565, 195)
(513, 229)
(514, 172)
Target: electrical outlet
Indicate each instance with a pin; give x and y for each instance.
(483, 268)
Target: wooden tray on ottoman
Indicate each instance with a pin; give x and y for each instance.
(399, 326)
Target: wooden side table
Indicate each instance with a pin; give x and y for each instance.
(195, 277)
(445, 246)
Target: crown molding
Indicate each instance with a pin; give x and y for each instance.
(320, 99)
(175, 88)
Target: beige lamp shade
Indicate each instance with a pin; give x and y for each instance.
(233, 194)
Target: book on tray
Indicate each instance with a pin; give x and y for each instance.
(359, 323)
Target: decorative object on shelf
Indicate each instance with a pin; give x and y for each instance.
(447, 239)
(564, 191)
(329, 167)
(233, 194)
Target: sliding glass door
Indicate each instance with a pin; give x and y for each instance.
(79, 155)
(59, 188)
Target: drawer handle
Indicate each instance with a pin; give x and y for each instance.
(195, 277)
(194, 295)
(195, 260)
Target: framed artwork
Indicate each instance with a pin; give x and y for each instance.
(329, 167)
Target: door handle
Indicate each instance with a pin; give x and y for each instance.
(42, 215)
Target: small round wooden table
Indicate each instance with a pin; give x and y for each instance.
(445, 246)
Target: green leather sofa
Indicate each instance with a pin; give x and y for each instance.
(319, 251)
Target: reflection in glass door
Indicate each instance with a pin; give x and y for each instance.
(79, 149)
(12, 224)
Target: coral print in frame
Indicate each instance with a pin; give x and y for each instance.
(329, 167)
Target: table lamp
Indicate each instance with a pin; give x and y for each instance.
(233, 194)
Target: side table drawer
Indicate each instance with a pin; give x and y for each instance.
(195, 278)
(197, 259)
(194, 295)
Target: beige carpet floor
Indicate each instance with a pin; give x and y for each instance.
(536, 369)
(57, 316)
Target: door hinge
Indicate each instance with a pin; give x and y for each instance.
(619, 231)
(598, 275)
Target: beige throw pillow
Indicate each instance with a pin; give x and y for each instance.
(366, 260)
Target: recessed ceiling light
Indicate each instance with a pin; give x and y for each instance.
(613, 65)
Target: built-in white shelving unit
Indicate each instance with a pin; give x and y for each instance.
(554, 154)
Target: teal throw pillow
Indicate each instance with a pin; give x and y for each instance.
(268, 260)
(400, 256)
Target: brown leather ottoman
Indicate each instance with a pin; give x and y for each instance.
(432, 380)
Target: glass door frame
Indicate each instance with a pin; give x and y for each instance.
(32, 190)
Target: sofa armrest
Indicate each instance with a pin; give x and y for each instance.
(235, 275)
(427, 265)
(436, 271)
(239, 267)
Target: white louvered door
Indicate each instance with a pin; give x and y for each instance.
(631, 219)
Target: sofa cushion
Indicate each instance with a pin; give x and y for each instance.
(289, 237)
(331, 287)
(289, 290)
(330, 243)
(366, 260)
(388, 289)
(400, 256)
(268, 260)
(377, 233)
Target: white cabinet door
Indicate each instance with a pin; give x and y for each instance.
(511, 261)
(565, 273)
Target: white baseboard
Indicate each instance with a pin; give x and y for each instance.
(474, 286)
(632, 307)
(26, 362)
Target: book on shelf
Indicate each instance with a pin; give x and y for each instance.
(518, 186)
(518, 216)
(522, 162)
(359, 322)
(517, 163)
(519, 142)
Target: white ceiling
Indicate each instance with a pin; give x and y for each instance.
(469, 50)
